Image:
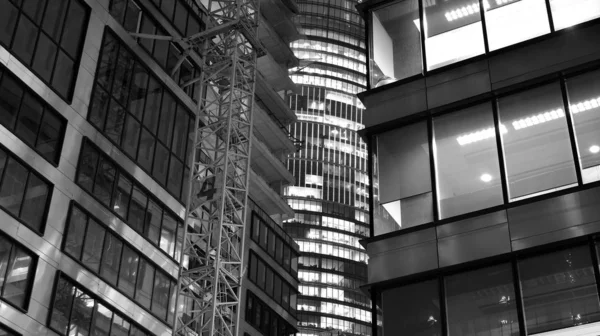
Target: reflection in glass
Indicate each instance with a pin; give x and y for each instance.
(402, 179)
(584, 101)
(512, 21)
(567, 13)
(453, 32)
(396, 42)
(419, 318)
(537, 149)
(482, 302)
(467, 169)
(559, 290)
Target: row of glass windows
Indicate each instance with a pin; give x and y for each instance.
(76, 312)
(274, 244)
(315, 18)
(329, 325)
(185, 19)
(126, 198)
(346, 14)
(534, 143)
(334, 250)
(136, 112)
(350, 296)
(329, 48)
(333, 84)
(334, 209)
(119, 264)
(27, 116)
(335, 309)
(134, 19)
(47, 36)
(454, 31)
(333, 35)
(272, 283)
(330, 236)
(555, 290)
(23, 193)
(4, 331)
(344, 266)
(336, 223)
(323, 69)
(17, 270)
(338, 280)
(264, 319)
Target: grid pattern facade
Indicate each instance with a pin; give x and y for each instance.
(330, 194)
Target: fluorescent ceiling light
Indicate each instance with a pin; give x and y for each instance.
(538, 119)
(595, 149)
(479, 135)
(586, 105)
(486, 177)
(467, 10)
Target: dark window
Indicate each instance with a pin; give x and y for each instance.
(128, 272)
(482, 301)
(99, 175)
(145, 284)
(32, 120)
(76, 233)
(111, 259)
(16, 273)
(101, 322)
(421, 317)
(160, 295)
(53, 51)
(559, 290)
(23, 193)
(61, 307)
(92, 248)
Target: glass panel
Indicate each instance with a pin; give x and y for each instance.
(467, 169)
(34, 205)
(123, 74)
(61, 308)
(175, 175)
(45, 54)
(537, 148)
(102, 320)
(8, 16)
(559, 290)
(421, 317)
(98, 108)
(13, 187)
(34, 9)
(120, 327)
(10, 99)
(510, 22)
(111, 258)
(92, 249)
(128, 273)
(180, 133)
(153, 220)
(567, 13)
(50, 136)
(76, 233)
(168, 8)
(74, 28)
(27, 35)
(147, 27)
(81, 320)
(161, 163)
(131, 136)
(132, 17)
(63, 74)
(5, 249)
(160, 296)
(87, 168)
(396, 41)
(138, 92)
(29, 119)
(482, 302)
(108, 61)
(137, 210)
(167, 234)
(103, 186)
(54, 18)
(122, 196)
(584, 98)
(114, 122)
(145, 283)
(403, 185)
(453, 32)
(146, 149)
(165, 127)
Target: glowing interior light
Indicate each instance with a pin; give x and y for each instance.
(486, 177)
(466, 10)
(585, 105)
(538, 119)
(595, 149)
(479, 135)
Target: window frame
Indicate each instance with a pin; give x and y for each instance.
(76, 64)
(30, 279)
(124, 243)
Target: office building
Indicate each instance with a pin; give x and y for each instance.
(484, 146)
(95, 154)
(330, 192)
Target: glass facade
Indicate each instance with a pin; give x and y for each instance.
(452, 31)
(17, 268)
(549, 291)
(330, 194)
(520, 145)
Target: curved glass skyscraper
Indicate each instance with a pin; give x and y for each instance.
(330, 195)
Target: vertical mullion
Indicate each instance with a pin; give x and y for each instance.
(422, 30)
(594, 254)
(571, 128)
(518, 298)
(370, 168)
(25, 193)
(123, 245)
(443, 313)
(10, 255)
(432, 169)
(484, 26)
(499, 147)
(72, 305)
(550, 19)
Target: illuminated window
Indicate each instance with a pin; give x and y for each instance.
(566, 13)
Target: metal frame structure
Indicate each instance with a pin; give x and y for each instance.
(210, 276)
